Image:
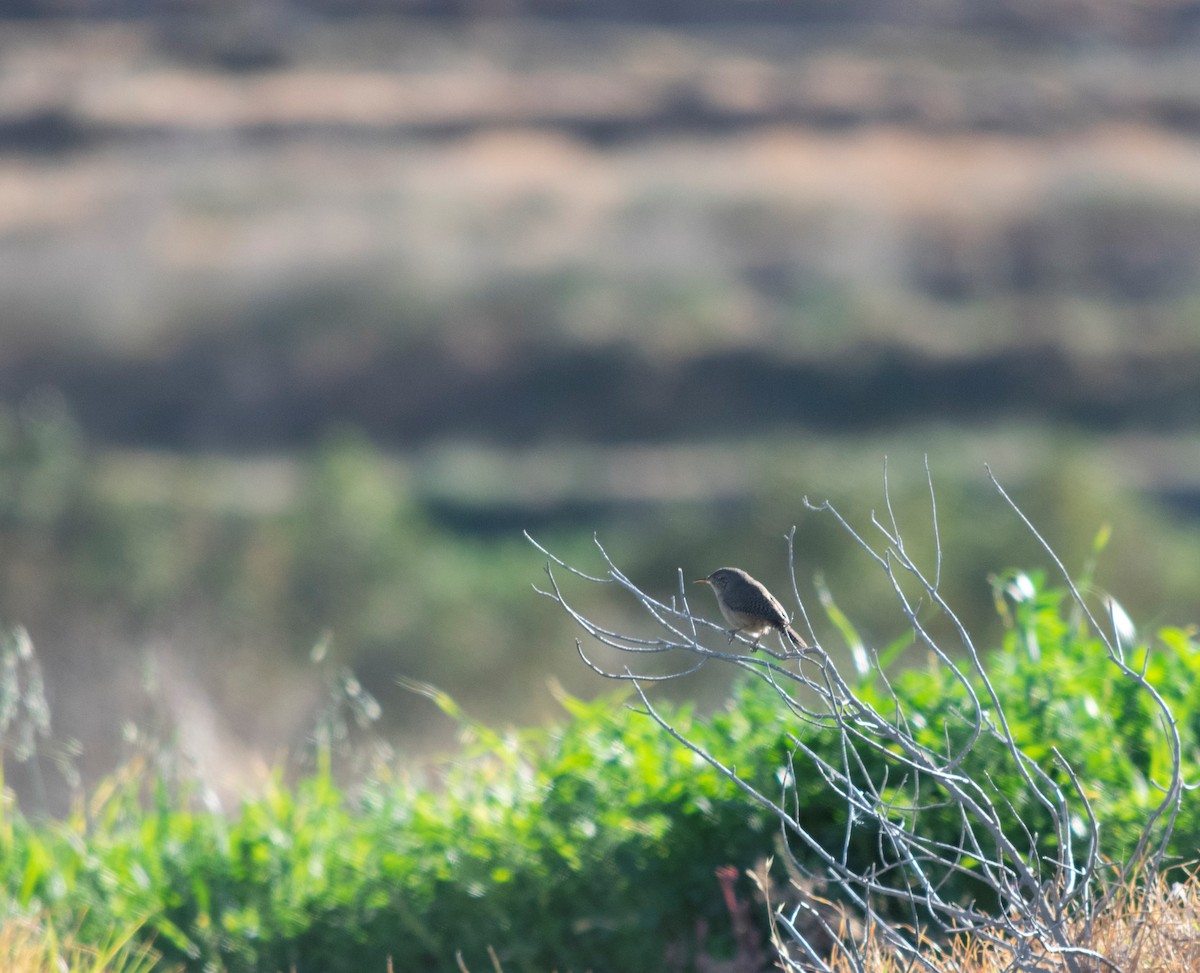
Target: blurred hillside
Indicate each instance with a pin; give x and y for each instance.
(309, 311)
(1051, 19)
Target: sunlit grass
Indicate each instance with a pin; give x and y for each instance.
(1144, 927)
(32, 945)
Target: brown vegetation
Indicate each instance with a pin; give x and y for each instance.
(1145, 927)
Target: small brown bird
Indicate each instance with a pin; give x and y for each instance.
(748, 606)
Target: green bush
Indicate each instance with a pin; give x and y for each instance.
(592, 845)
(1061, 694)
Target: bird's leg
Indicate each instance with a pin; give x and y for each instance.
(732, 635)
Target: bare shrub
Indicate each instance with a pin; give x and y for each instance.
(931, 897)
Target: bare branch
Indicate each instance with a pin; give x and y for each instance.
(990, 875)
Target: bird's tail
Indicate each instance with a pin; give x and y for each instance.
(795, 639)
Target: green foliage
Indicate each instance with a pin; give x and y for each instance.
(252, 560)
(260, 559)
(592, 845)
(35, 946)
(41, 462)
(573, 848)
(1061, 694)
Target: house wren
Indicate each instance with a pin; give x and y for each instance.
(748, 606)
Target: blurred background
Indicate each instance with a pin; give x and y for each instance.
(308, 308)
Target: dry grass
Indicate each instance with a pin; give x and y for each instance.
(1147, 927)
(1152, 928)
(33, 946)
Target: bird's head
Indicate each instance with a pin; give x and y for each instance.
(721, 578)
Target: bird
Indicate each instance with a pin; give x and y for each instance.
(749, 607)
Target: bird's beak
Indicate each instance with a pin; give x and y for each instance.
(700, 581)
